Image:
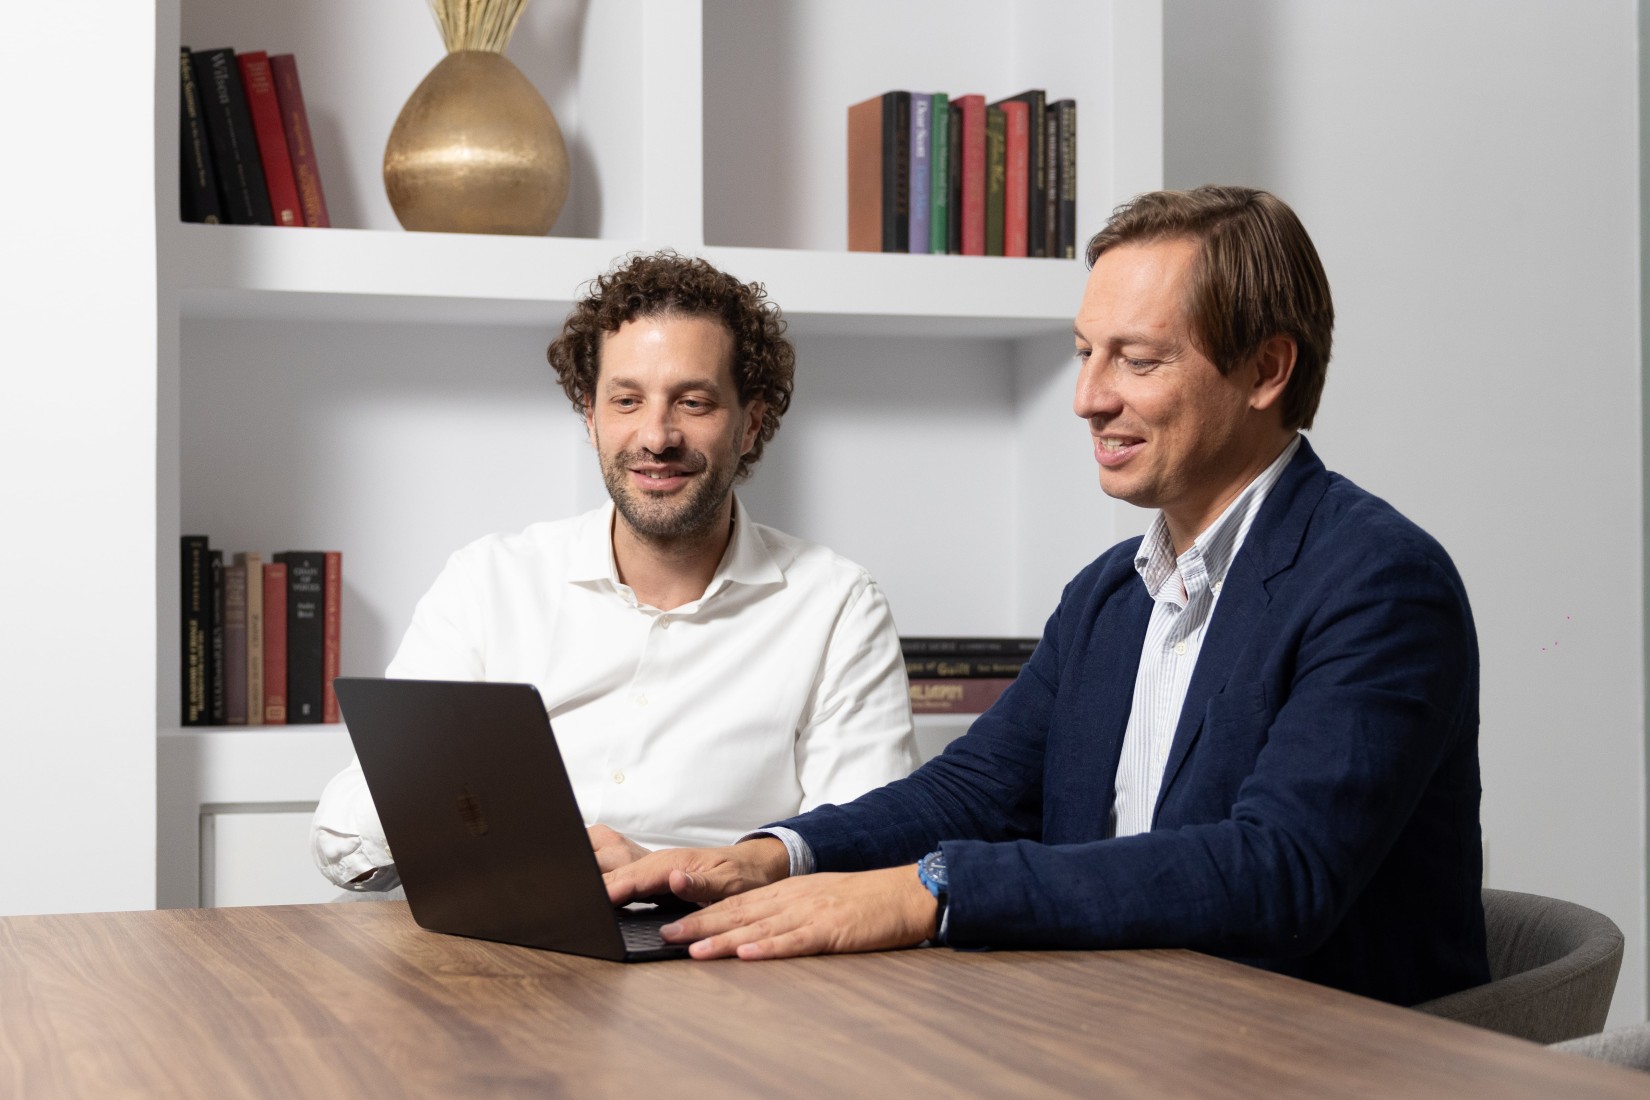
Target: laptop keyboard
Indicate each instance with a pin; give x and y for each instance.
(642, 933)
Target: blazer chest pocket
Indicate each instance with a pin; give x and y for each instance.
(1235, 726)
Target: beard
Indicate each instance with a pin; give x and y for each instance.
(692, 511)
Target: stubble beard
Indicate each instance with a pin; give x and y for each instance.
(688, 514)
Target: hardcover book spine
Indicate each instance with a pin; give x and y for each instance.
(219, 704)
(956, 696)
(198, 185)
(332, 610)
(300, 146)
(996, 167)
(1051, 182)
(234, 147)
(865, 176)
(1066, 111)
(953, 230)
(275, 644)
(973, 175)
(939, 209)
(271, 137)
(234, 645)
(922, 176)
(253, 564)
(1036, 170)
(962, 668)
(966, 646)
(305, 635)
(196, 642)
(896, 172)
(1016, 178)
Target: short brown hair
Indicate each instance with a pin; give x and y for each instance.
(667, 283)
(1257, 275)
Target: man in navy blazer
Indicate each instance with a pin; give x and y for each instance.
(1253, 733)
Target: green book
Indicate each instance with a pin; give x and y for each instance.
(939, 221)
(996, 170)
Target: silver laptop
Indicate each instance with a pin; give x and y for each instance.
(482, 821)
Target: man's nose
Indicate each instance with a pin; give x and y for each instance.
(1096, 396)
(661, 433)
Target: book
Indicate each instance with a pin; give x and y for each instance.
(195, 644)
(939, 207)
(921, 171)
(878, 187)
(197, 182)
(331, 609)
(253, 564)
(305, 634)
(968, 668)
(1051, 190)
(218, 705)
(973, 174)
(1036, 170)
(299, 144)
(1016, 178)
(953, 230)
(265, 110)
(234, 645)
(996, 137)
(275, 643)
(1065, 236)
(963, 646)
(240, 175)
(958, 696)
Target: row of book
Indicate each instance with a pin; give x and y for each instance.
(961, 675)
(246, 153)
(929, 173)
(260, 639)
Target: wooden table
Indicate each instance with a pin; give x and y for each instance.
(355, 1001)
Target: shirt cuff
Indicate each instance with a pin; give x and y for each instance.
(801, 856)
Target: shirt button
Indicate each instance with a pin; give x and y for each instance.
(664, 623)
(1215, 588)
(618, 777)
(641, 700)
(1180, 649)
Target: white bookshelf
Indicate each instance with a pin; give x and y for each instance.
(384, 393)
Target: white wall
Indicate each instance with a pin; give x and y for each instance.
(77, 465)
(1469, 171)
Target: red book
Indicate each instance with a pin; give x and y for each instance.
(295, 122)
(957, 696)
(973, 174)
(266, 123)
(274, 700)
(332, 595)
(1018, 157)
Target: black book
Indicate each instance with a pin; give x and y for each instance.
(240, 172)
(1065, 159)
(953, 232)
(1037, 175)
(305, 634)
(971, 667)
(919, 648)
(197, 182)
(896, 172)
(196, 641)
(217, 707)
(1051, 192)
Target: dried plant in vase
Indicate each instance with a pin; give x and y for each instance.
(476, 149)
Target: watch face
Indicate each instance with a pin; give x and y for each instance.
(932, 872)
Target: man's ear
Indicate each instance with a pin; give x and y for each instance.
(590, 420)
(753, 413)
(1274, 365)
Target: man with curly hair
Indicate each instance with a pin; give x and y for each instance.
(702, 671)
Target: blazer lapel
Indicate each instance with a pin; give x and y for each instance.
(1270, 548)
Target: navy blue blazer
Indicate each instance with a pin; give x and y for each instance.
(1319, 811)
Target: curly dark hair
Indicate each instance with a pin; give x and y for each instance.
(667, 283)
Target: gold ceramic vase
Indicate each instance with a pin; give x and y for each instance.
(476, 150)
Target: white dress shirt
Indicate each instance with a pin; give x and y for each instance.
(780, 689)
(1184, 591)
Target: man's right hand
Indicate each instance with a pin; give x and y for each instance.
(700, 875)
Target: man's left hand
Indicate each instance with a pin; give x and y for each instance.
(813, 915)
(613, 849)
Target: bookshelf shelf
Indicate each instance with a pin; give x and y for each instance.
(384, 393)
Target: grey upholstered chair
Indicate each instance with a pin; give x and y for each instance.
(1553, 967)
(1628, 1046)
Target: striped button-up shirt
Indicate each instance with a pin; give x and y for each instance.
(1184, 591)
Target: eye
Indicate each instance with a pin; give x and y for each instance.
(695, 404)
(625, 402)
(1084, 354)
(1138, 364)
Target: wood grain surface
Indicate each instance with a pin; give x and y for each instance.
(355, 1001)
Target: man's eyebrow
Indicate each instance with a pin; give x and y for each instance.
(619, 382)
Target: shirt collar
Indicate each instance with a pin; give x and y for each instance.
(1212, 552)
(747, 559)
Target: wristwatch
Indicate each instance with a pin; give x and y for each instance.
(931, 872)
